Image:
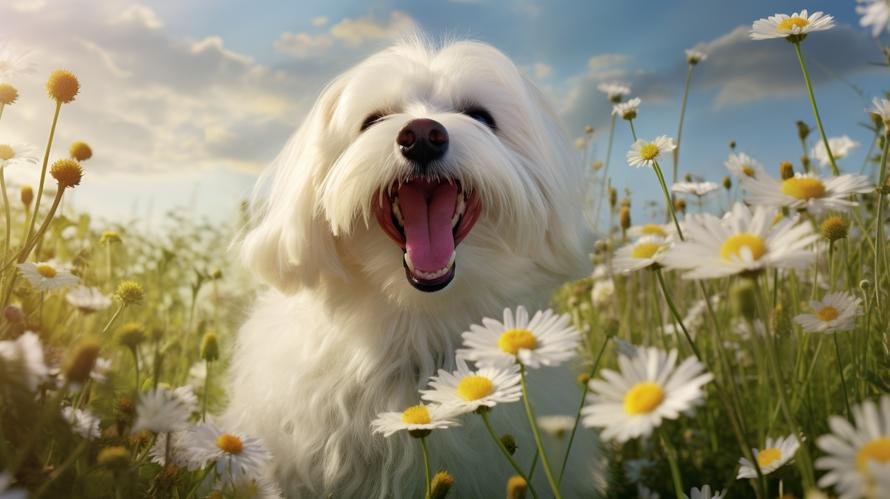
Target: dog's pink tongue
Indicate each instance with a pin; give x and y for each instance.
(427, 208)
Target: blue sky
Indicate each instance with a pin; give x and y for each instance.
(184, 102)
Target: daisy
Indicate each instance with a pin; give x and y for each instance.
(614, 91)
(643, 153)
(26, 354)
(256, 488)
(854, 452)
(556, 425)
(835, 312)
(740, 242)
(806, 191)
(14, 62)
(649, 388)
(875, 13)
(643, 253)
(658, 230)
(161, 411)
(46, 276)
(179, 451)
(602, 291)
(186, 395)
(881, 107)
(465, 391)
(795, 27)
(771, 457)
(627, 110)
(87, 300)
(235, 456)
(82, 422)
(418, 420)
(695, 56)
(840, 147)
(741, 165)
(705, 493)
(546, 339)
(695, 188)
(18, 155)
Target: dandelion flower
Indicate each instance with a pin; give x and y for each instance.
(236, 456)
(129, 293)
(695, 188)
(80, 151)
(794, 27)
(806, 191)
(546, 339)
(62, 86)
(8, 94)
(465, 390)
(418, 420)
(556, 425)
(614, 91)
(694, 57)
(643, 153)
(26, 353)
(18, 155)
(87, 300)
(840, 147)
(854, 451)
(705, 493)
(648, 389)
(46, 276)
(627, 110)
(771, 457)
(643, 253)
(741, 242)
(881, 108)
(835, 312)
(67, 172)
(875, 13)
(741, 165)
(160, 411)
(84, 423)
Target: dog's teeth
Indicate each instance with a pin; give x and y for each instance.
(451, 260)
(409, 263)
(431, 275)
(397, 211)
(461, 206)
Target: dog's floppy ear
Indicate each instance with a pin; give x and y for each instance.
(290, 244)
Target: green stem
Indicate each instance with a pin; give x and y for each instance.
(806, 79)
(29, 244)
(50, 410)
(667, 198)
(591, 373)
(599, 201)
(135, 352)
(676, 477)
(49, 145)
(483, 412)
(840, 371)
(676, 155)
(879, 224)
(62, 468)
(676, 314)
(198, 483)
(207, 389)
(6, 215)
(530, 413)
(117, 312)
(426, 466)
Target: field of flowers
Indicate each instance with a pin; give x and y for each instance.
(735, 346)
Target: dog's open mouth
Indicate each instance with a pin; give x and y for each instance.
(428, 219)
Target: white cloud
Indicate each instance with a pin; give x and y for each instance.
(349, 33)
(319, 21)
(140, 15)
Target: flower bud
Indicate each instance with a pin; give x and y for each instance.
(129, 292)
(80, 151)
(732, 145)
(13, 314)
(803, 131)
(624, 217)
(588, 130)
(115, 457)
(110, 237)
(834, 228)
(131, 335)
(509, 443)
(613, 196)
(26, 195)
(81, 360)
(209, 347)
(441, 484)
(786, 170)
(67, 172)
(687, 177)
(805, 162)
(62, 86)
(516, 487)
(8, 94)
(680, 205)
(583, 378)
(727, 183)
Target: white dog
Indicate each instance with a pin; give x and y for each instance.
(427, 189)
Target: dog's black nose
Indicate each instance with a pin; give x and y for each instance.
(423, 140)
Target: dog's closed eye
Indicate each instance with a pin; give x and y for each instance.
(481, 115)
(372, 119)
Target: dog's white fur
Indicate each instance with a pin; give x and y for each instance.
(343, 336)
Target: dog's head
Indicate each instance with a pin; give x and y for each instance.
(421, 166)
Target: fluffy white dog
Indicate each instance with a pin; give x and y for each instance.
(427, 188)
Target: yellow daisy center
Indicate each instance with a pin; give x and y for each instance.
(474, 387)
(827, 313)
(6, 152)
(733, 245)
(768, 456)
(643, 251)
(875, 450)
(643, 398)
(787, 25)
(748, 171)
(803, 187)
(229, 443)
(513, 340)
(649, 151)
(46, 270)
(653, 230)
(416, 414)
